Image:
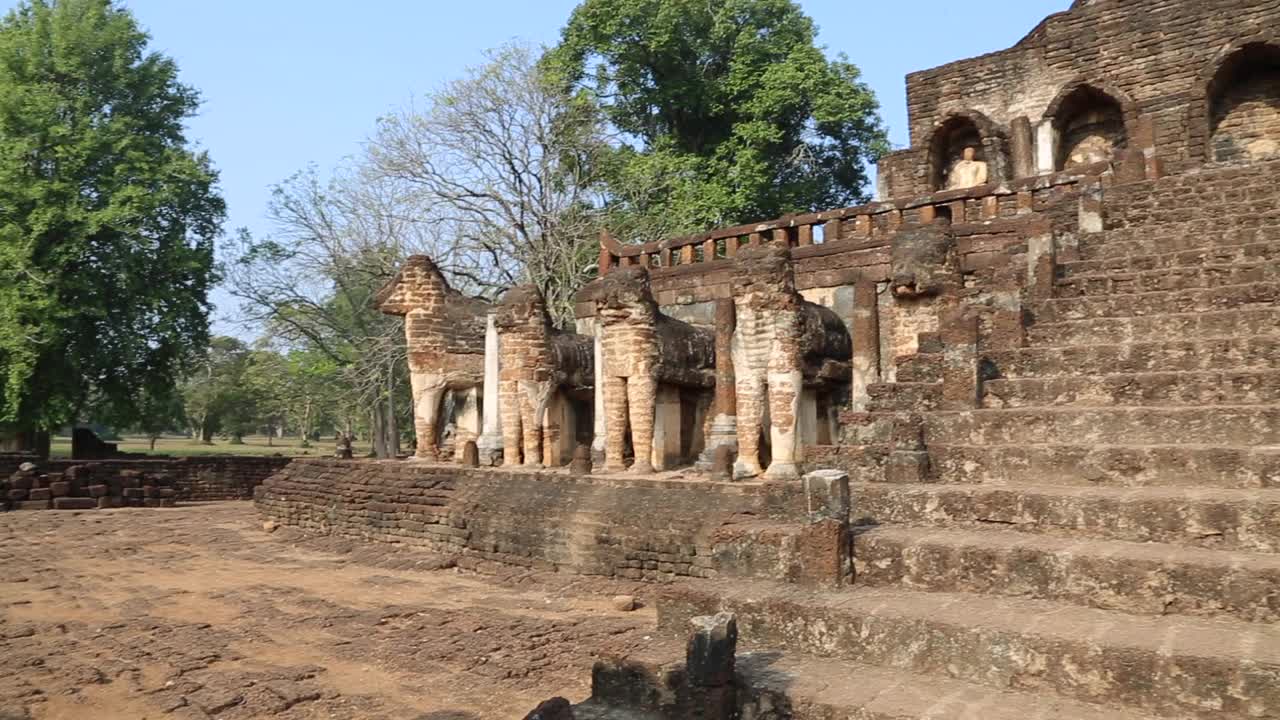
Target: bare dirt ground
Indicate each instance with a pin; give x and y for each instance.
(196, 611)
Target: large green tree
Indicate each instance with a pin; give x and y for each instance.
(729, 110)
(107, 217)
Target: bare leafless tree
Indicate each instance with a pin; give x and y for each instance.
(312, 283)
(504, 164)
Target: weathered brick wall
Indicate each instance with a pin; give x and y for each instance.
(1157, 58)
(495, 520)
(1242, 198)
(197, 478)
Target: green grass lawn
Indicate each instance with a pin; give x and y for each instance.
(176, 445)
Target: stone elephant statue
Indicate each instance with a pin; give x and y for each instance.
(640, 348)
(537, 362)
(781, 342)
(445, 334)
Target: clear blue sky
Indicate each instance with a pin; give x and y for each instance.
(292, 82)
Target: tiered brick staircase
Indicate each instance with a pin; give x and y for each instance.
(1101, 538)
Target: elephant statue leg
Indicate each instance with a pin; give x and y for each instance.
(642, 391)
(784, 405)
(551, 432)
(615, 407)
(751, 399)
(509, 392)
(428, 389)
(533, 403)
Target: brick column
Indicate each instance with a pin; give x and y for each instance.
(1023, 148)
(865, 331)
(723, 430)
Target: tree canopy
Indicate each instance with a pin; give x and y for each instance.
(728, 109)
(107, 217)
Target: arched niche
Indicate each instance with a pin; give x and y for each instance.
(1244, 105)
(1090, 126)
(953, 136)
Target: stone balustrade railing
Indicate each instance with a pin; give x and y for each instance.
(858, 223)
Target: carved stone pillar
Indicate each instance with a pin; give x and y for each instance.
(1046, 148)
(490, 441)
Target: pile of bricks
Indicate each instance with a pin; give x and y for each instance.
(84, 487)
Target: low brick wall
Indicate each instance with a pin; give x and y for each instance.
(496, 520)
(196, 478)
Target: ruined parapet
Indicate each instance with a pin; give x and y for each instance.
(85, 487)
(645, 353)
(543, 371)
(781, 344)
(445, 331)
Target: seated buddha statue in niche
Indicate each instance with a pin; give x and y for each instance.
(968, 171)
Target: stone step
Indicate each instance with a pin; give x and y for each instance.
(824, 688)
(1113, 282)
(1214, 518)
(910, 396)
(1176, 667)
(1173, 302)
(1236, 425)
(1250, 387)
(1229, 255)
(1204, 235)
(810, 687)
(1240, 354)
(1244, 322)
(1142, 578)
(1097, 465)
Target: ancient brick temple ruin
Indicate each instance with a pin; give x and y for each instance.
(1007, 441)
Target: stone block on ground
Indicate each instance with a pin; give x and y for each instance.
(73, 503)
(711, 650)
(827, 495)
